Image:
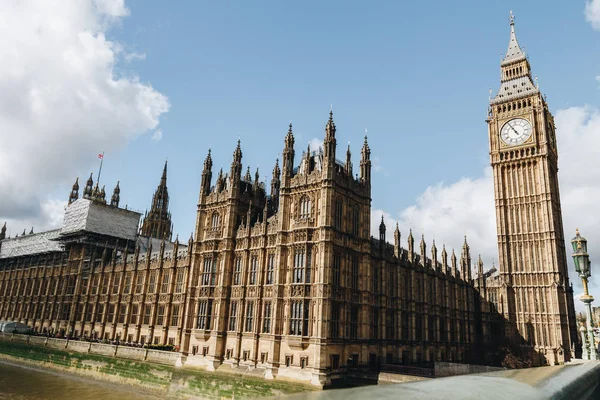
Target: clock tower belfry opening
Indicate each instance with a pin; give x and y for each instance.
(534, 282)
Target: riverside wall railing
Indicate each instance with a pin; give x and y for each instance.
(578, 380)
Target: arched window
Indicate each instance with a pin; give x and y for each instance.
(214, 223)
(337, 222)
(305, 207)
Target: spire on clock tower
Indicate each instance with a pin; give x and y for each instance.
(514, 52)
(515, 71)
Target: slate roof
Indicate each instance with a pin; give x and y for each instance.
(514, 89)
(514, 52)
(37, 243)
(89, 216)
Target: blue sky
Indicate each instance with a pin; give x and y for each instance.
(415, 74)
(81, 77)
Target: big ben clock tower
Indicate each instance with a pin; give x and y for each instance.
(535, 298)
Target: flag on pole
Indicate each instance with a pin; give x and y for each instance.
(101, 156)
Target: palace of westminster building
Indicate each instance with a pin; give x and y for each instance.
(289, 281)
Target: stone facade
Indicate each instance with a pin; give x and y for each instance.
(290, 282)
(532, 289)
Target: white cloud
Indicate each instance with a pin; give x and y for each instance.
(592, 13)
(61, 99)
(315, 144)
(134, 56)
(446, 212)
(157, 135)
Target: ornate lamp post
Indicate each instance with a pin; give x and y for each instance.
(583, 268)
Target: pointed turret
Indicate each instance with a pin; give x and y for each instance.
(397, 241)
(365, 162)
(236, 166)
(454, 267)
(411, 246)
(87, 192)
(157, 223)
(3, 232)
(288, 153)
(423, 247)
(206, 176)
(163, 178)
(349, 162)
(275, 186)
(466, 261)
(444, 260)
(434, 263)
(329, 143)
(74, 191)
(256, 178)
(95, 193)
(116, 197)
(382, 232)
(102, 196)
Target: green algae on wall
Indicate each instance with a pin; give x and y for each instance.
(177, 383)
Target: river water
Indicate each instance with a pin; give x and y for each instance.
(24, 383)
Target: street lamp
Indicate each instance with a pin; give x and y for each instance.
(583, 268)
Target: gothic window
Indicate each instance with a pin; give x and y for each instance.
(299, 266)
(152, 284)
(166, 280)
(353, 326)
(270, 269)
(160, 317)
(99, 312)
(334, 324)
(135, 309)
(338, 216)
(375, 278)
(233, 316)
(389, 324)
(111, 313)
(355, 221)
(127, 288)
(237, 272)
(179, 282)
(204, 314)
(249, 316)
(139, 285)
(354, 276)
(336, 270)
(375, 323)
(299, 318)
(431, 328)
(304, 207)
(89, 313)
(175, 315)
(209, 271)
(122, 313)
(267, 318)
(253, 270)
(104, 284)
(214, 221)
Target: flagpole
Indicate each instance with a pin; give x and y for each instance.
(100, 170)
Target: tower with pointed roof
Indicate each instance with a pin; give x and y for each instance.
(535, 294)
(157, 222)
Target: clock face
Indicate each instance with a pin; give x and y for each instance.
(515, 131)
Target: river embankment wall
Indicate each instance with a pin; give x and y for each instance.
(151, 370)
